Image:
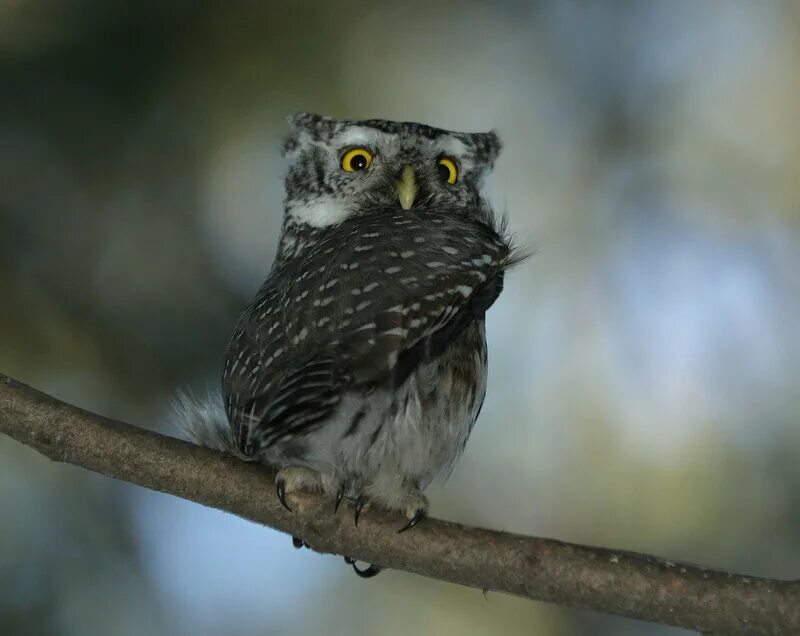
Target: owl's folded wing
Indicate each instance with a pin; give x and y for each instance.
(379, 352)
(301, 402)
(387, 349)
(347, 323)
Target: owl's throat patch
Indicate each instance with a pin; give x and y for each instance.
(319, 213)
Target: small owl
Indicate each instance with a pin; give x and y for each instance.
(359, 368)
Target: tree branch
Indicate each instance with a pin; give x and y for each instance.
(611, 581)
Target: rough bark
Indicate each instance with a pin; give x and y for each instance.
(612, 581)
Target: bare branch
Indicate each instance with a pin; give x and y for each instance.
(611, 581)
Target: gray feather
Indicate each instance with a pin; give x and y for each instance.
(202, 420)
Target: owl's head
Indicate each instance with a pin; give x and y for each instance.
(338, 168)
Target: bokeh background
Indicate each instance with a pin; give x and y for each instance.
(644, 384)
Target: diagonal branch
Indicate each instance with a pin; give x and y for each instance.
(611, 581)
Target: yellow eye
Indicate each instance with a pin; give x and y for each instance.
(356, 160)
(447, 170)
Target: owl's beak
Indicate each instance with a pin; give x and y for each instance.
(407, 188)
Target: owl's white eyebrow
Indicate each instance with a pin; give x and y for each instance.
(452, 146)
(360, 136)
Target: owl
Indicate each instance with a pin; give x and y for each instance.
(359, 368)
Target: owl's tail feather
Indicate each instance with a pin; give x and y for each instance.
(202, 420)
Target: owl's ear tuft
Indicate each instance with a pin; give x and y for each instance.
(305, 121)
(486, 147)
(307, 128)
(291, 145)
(319, 127)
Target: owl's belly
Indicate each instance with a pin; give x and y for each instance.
(410, 434)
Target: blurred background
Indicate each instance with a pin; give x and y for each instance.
(644, 385)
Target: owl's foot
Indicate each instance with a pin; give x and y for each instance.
(415, 506)
(339, 496)
(408, 499)
(296, 478)
(292, 479)
(367, 573)
(419, 514)
(361, 501)
(359, 504)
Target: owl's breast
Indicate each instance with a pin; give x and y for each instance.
(419, 429)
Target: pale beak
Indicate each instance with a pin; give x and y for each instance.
(407, 188)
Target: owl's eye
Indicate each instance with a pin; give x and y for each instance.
(447, 170)
(356, 160)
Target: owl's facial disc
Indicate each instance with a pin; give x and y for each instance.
(338, 168)
(407, 187)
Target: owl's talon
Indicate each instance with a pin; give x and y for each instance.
(419, 514)
(339, 496)
(298, 543)
(369, 572)
(366, 573)
(360, 503)
(280, 489)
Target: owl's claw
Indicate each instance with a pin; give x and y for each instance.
(339, 496)
(419, 514)
(366, 573)
(298, 543)
(280, 489)
(360, 503)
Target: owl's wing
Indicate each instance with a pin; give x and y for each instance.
(351, 321)
(401, 337)
(303, 399)
(381, 352)
(274, 385)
